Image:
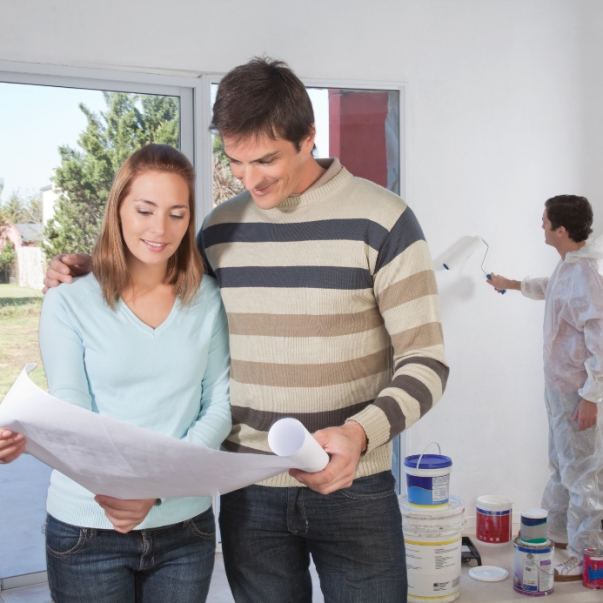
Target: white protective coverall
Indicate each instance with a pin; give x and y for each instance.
(573, 368)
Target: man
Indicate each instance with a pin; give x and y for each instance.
(573, 365)
(321, 274)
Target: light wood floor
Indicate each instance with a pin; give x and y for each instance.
(471, 591)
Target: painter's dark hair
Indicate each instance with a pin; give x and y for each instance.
(573, 212)
(263, 97)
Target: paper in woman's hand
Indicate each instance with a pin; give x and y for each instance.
(117, 459)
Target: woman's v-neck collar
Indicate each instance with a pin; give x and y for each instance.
(143, 325)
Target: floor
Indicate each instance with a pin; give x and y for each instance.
(471, 591)
(23, 487)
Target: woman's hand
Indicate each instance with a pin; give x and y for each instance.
(125, 515)
(12, 445)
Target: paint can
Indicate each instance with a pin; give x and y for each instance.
(534, 526)
(592, 568)
(493, 519)
(533, 569)
(433, 542)
(428, 479)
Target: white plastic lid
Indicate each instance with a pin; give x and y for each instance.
(534, 513)
(488, 573)
(494, 502)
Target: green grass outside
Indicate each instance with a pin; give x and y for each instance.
(19, 319)
(16, 292)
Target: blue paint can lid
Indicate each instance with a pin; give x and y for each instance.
(428, 461)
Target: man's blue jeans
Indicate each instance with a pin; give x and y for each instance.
(171, 563)
(354, 536)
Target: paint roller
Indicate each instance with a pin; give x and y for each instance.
(462, 250)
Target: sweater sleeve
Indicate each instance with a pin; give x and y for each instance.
(534, 288)
(214, 421)
(62, 351)
(407, 297)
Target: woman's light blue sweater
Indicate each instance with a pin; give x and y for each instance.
(173, 379)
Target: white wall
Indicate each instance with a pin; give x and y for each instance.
(502, 115)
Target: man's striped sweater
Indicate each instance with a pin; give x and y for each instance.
(333, 314)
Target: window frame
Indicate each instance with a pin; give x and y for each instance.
(401, 444)
(400, 87)
(186, 89)
(194, 92)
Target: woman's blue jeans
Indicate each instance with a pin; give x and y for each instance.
(170, 563)
(354, 536)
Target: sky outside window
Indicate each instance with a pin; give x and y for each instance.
(34, 122)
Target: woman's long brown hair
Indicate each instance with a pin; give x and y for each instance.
(185, 267)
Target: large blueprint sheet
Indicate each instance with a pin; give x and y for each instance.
(116, 459)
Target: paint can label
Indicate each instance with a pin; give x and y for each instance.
(534, 526)
(439, 488)
(533, 570)
(434, 568)
(428, 557)
(592, 572)
(428, 491)
(493, 526)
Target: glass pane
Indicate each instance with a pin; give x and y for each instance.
(362, 129)
(61, 148)
(225, 185)
(359, 127)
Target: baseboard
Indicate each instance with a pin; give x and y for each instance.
(23, 580)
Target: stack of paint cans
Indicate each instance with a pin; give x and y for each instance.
(433, 525)
(533, 569)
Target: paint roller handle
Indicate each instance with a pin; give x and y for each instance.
(489, 277)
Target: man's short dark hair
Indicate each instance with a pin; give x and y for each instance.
(263, 97)
(573, 212)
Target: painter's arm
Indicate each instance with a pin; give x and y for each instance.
(501, 283)
(534, 288)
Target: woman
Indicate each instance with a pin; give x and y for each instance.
(143, 339)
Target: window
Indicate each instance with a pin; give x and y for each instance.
(361, 127)
(360, 124)
(57, 161)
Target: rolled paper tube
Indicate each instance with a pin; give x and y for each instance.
(288, 437)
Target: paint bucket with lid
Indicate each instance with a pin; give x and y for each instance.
(428, 479)
(534, 526)
(592, 568)
(533, 569)
(433, 542)
(493, 519)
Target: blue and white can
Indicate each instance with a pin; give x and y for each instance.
(428, 480)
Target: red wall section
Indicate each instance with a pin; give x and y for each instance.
(357, 132)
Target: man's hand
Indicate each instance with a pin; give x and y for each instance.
(344, 445)
(12, 445)
(64, 267)
(125, 515)
(500, 282)
(586, 415)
